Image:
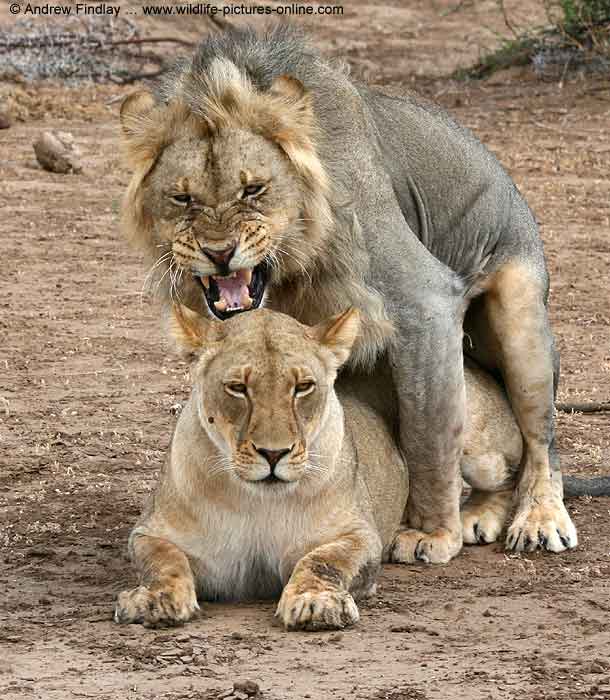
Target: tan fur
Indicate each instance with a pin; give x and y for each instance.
(214, 530)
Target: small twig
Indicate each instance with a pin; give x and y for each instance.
(507, 22)
(152, 40)
(461, 4)
(583, 407)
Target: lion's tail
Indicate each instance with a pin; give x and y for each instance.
(574, 486)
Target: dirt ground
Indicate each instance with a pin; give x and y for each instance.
(87, 386)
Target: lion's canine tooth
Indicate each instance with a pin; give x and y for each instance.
(248, 276)
(206, 281)
(245, 300)
(221, 305)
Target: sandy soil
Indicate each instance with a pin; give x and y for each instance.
(87, 386)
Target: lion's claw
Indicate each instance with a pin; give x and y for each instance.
(542, 525)
(437, 547)
(156, 608)
(317, 610)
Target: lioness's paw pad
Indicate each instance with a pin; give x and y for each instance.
(159, 608)
(543, 525)
(412, 546)
(317, 610)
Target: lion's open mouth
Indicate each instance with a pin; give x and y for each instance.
(240, 290)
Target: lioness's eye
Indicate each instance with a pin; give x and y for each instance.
(252, 190)
(304, 388)
(236, 389)
(182, 199)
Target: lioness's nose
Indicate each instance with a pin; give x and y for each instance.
(272, 456)
(221, 257)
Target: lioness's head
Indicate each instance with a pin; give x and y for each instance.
(263, 386)
(228, 192)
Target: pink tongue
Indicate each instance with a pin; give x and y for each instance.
(232, 289)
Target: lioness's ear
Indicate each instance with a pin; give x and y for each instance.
(134, 109)
(193, 332)
(338, 333)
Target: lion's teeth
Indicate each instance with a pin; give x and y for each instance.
(206, 282)
(245, 300)
(248, 276)
(221, 305)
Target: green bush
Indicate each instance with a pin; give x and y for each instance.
(577, 35)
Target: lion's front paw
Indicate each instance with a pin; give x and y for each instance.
(437, 547)
(163, 607)
(317, 610)
(542, 524)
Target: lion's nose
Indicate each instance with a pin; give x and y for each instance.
(272, 456)
(220, 257)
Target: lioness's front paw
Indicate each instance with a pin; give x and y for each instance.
(165, 607)
(542, 524)
(437, 547)
(317, 610)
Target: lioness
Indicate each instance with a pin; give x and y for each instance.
(263, 174)
(275, 480)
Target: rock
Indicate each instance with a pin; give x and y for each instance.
(56, 152)
(5, 122)
(249, 688)
(240, 696)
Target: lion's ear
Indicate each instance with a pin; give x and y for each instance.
(134, 110)
(338, 333)
(193, 332)
(289, 88)
(290, 119)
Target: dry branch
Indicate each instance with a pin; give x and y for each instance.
(583, 407)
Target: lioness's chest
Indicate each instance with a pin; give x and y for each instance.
(242, 555)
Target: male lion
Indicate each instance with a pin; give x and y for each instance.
(275, 480)
(262, 173)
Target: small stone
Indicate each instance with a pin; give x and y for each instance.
(186, 659)
(5, 122)
(239, 695)
(250, 688)
(175, 409)
(336, 637)
(56, 152)
(488, 613)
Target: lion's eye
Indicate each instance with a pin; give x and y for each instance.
(182, 200)
(304, 388)
(236, 389)
(252, 190)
